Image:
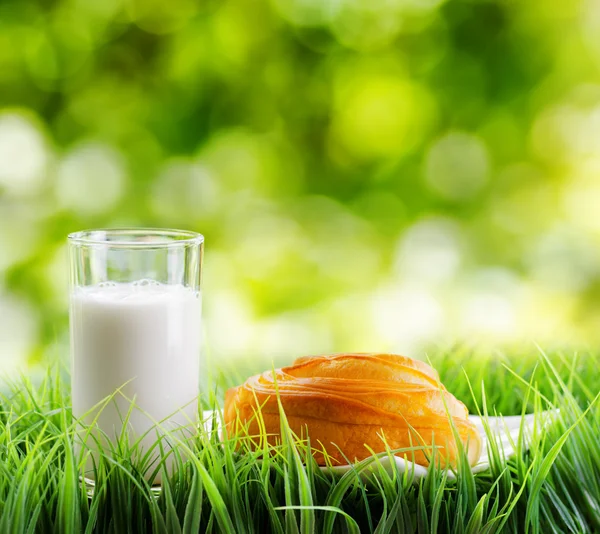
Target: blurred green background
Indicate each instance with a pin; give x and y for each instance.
(369, 174)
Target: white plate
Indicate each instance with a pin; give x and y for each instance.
(505, 431)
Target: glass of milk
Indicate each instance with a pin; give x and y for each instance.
(135, 316)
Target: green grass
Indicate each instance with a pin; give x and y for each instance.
(554, 486)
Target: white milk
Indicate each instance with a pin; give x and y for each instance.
(142, 337)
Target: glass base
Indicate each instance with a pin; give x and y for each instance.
(90, 487)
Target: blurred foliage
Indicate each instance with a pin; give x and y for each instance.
(369, 174)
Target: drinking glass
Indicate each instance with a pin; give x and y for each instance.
(135, 321)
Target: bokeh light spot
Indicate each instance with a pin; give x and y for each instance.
(489, 303)
(239, 159)
(407, 317)
(18, 331)
(378, 115)
(489, 314)
(185, 191)
(590, 23)
(91, 179)
(290, 334)
(229, 323)
(367, 24)
(306, 12)
(570, 130)
(457, 166)
(23, 155)
(563, 259)
(430, 250)
(581, 196)
(19, 235)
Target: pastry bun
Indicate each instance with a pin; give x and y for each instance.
(347, 403)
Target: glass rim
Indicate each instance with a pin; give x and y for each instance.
(171, 237)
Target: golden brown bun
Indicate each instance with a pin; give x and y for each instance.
(348, 401)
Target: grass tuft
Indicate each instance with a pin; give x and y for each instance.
(552, 484)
